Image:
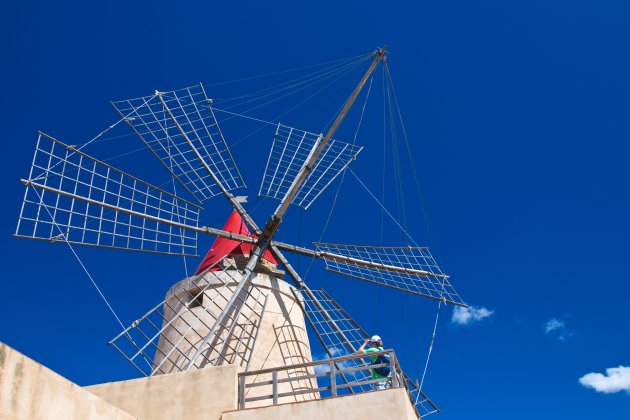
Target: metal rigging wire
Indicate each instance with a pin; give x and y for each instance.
(98, 289)
(277, 118)
(343, 175)
(340, 73)
(292, 83)
(390, 85)
(288, 71)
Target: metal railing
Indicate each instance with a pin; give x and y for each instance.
(326, 378)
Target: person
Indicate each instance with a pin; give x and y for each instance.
(376, 345)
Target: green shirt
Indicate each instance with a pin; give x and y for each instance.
(373, 359)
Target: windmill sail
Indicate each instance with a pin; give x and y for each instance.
(72, 197)
(340, 335)
(173, 334)
(337, 332)
(182, 131)
(290, 151)
(409, 269)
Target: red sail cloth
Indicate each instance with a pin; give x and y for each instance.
(223, 247)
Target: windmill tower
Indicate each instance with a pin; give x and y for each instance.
(270, 306)
(265, 329)
(237, 308)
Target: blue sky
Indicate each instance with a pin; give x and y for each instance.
(517, 114)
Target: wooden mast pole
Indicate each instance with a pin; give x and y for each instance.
(276, 218)
(264, 241)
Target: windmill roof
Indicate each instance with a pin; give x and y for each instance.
(223, 247)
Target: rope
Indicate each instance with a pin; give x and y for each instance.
(343, 72)
(399, 191)
(384, 160)
(413, 164)
(414, 243)
(426, 364)
(113, 137)
(181, 230)
(287, 71)
(98, 289)
(107, 129)
(289, 110)
(236, 114)
(343, 175)
(424, 212)
(307, 78)
(384, 208)
(307, 84)
(82, 146)
(354, 140)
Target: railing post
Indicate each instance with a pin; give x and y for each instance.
(274, 385)
(333, 379)
(396, 378)
(392, 369)
(241, 391)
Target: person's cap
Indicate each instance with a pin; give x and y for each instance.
(375, 339)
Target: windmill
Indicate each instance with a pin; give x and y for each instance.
(217, 315)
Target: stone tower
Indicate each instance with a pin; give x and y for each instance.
(265, 326)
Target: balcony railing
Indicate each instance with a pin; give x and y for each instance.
(343, 375)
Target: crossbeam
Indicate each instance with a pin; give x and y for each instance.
(202, 229)
(72, 197)
(363, 263)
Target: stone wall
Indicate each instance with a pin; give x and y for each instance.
(280, 339)
(197, 394)
(30, 391)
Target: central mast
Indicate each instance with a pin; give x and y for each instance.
(318, 148)
(274, 221)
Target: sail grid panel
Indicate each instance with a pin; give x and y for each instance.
(341, 336)
(423, 405)
(409, 269)
(290, 150)
(179, 333)
(337, 332)
(180, 128)
(73, 197)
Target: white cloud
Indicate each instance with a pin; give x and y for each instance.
(557, 328)
(616, 380)
(554, 324)
(321, 368)
(464, 316)
(326, 367)
(335, 351)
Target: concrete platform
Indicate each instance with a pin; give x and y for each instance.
(386, 404)
(195, 395)
(31, 391)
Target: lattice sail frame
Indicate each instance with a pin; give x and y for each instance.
(181, 129)
(290, 150)
(332, 333)
(153, 343)
(70, 196)
(409, 269)
(340, 335)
